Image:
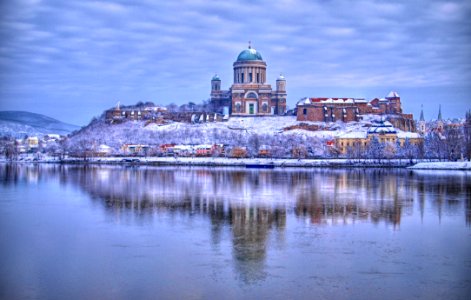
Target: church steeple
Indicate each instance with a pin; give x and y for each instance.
(422, 121)
(440, 120)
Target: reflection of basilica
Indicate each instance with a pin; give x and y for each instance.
(254, 204)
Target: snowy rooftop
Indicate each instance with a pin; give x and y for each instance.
(307, 101)
(354, 135)
(381, 127)
(408, 135)
(393, 94)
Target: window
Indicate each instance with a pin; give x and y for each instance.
(258, 78)
(242, 78)
(237, 107)
(304, 111)
(252, 95)
(265, 107)
(250, 77)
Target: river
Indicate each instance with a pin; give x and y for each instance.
(116, 232)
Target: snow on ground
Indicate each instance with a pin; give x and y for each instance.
(460, 165)
(259, 125)
(269, 125)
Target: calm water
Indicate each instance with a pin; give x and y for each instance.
(69, 232)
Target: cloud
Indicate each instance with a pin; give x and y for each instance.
(339, 31)
(102, 6)
(152, 49)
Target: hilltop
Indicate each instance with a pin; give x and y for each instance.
(22, 123)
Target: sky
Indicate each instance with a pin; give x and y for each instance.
(71, 60)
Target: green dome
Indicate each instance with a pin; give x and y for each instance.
(249, 54)
(216, 77)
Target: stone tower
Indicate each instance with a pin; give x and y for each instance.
(215, 83)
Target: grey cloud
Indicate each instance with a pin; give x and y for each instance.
(126, 48)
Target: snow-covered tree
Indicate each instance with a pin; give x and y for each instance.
(375, 149)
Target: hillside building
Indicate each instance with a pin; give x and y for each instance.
(352, 109)
(249, 95)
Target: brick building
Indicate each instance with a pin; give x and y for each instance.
(352, 109)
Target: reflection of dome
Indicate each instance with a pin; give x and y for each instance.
(249, 54)
(216, 77)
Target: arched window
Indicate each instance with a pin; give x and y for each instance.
(252, 95)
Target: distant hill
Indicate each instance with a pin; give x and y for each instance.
(21, 123)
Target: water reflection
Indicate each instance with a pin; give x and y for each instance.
(254, 204)
(323, 196)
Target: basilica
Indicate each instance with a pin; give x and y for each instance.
(249, 95)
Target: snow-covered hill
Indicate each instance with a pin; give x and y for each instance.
(281, 134)
(21, 123)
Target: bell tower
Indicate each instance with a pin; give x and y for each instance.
(215, 83)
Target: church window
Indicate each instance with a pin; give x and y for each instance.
(304, 111)
(250, 77)
(258, 78)
(242, 78)
(265, 107)
(252, 95)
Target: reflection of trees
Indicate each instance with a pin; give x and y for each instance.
(354, 195)
(252, 203)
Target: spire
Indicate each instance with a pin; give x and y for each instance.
(422, 113)
(440, 112)
(250, 45)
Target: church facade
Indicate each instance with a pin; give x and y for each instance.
(249, 94)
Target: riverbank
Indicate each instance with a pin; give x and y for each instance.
(235, 162)
(448, 165)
